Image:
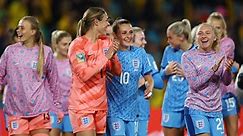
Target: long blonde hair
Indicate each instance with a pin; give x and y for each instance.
(38, 39)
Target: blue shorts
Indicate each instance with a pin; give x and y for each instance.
(173, 119)
(64, 126)
(119, 127)
(229, 105)
(142, 129)
(198, 123)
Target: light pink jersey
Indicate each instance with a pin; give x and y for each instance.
(28, 94)
(227, 47)
(204, 93)
(64, 82)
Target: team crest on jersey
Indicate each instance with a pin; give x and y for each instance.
(14, 125)
(166, 117)
(116, 126)
(135, 64)
(200, 124)
(81, 57)
(68, 73)
(85, 121)
(105, 50)
(34, 65)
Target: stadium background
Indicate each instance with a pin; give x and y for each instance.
(153, 15)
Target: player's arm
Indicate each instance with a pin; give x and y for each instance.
(115, 66)
(195, 80)
(79, 63)
(149, 83)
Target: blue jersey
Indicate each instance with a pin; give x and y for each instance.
(143, 104)
(177, 86)
(122, 91)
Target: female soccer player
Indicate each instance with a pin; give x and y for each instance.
(90, 58)
(205, 68)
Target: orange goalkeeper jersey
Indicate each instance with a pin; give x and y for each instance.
(89, 65)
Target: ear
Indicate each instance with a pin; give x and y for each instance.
(182, 38)
(33, 32)
(96, 22)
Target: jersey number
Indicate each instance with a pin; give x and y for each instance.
(124, 78)
(220, 123)
(230, 102)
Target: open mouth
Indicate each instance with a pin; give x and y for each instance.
(20, 36)
(204, 41)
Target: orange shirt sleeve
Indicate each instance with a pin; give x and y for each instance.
(115, 66)
(80, 62)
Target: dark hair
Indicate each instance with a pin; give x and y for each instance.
(117, 23)
(89, 16)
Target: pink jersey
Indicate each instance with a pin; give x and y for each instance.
(27, 94)
(64, 82)
(204, 93)
(227, 46)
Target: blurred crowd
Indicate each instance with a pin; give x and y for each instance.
(153, 15)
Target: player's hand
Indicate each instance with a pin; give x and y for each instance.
(109, 75)
(171, 68)
(60, 116)
(179, 71)
(216, 66)
(112, 49)
(228, 64)
(148, 93)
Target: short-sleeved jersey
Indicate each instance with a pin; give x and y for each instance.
(88, 66)
(28, 94)
(122, 90)
(204, 93)
(177, 86)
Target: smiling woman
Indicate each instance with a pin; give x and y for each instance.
(90, 58)
(30, 73)
(203, 105)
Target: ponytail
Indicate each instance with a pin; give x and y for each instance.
(40, 63)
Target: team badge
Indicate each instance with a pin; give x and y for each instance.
(200, 124)
(85, 121)
(81, 57)
(14, 125)
(135, 64)
(34, 65)
(116, 126)
(105, 50)
(166, 117)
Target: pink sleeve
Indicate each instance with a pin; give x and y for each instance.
(226, 79)
(3, 67)
(52, 77)
(195, 80)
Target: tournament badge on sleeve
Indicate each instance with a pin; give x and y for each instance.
(81, 57)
